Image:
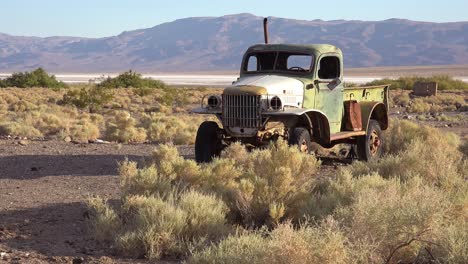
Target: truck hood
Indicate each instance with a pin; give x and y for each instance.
(289, 90)
(273, 84)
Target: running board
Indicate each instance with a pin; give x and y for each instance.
(346, 134)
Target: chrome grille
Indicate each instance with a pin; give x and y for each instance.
(242, 111)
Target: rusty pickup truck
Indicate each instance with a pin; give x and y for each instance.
(294, 92)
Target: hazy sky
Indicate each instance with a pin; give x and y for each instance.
(98, 18)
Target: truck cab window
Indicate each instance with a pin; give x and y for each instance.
(299, 62)
(329, 68)
(252, 64)
(263, 61)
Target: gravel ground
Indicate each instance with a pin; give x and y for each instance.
(43, 186)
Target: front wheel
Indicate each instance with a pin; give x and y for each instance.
(207, 143)
(300, 137)
(369, 147)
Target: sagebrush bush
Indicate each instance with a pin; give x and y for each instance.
(37, 78)
(84, 131)
(399, 220)
(92, 97)
(154, 227)
(131, 79)
(18, 129)
(122, 128)
(178, 128)
(401, 133)
(105, 219)
(417, 151)
(400, 98)
(325, 243)
(444, 82)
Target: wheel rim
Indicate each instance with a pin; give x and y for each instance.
(374, 142)
(304, 147)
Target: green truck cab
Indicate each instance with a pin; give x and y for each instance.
(297, 93)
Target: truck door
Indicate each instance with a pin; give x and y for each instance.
(329, 90)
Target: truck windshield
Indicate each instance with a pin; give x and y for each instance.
(274, 61)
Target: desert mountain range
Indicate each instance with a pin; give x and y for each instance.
(217, 43)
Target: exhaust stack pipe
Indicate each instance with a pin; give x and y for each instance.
(265, 29)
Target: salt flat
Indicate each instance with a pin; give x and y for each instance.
(191, 79)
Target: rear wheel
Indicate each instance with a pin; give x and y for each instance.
(207, 143)
(369, 147)
(300, 137)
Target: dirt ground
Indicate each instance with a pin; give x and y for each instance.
(43, 186)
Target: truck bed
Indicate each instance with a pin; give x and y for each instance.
(367, 93)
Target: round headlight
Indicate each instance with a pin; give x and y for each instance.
(214, 101)
(275, 103)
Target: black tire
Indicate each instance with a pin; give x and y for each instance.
(207, 143)
(369, 147)
(300, 137)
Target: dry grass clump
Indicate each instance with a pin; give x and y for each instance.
(122, 128)
(401, 133)
(264, 186)
(417, 151)
(153, 226)
(434, 104)
(261, 187)
(399, 220)
(18, 129)
(400, 98)
(177, 128)
(324, 243)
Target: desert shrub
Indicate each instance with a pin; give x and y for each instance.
(437, 163)
(154, 227)
(262, 187)
(464, 148)
(270, 185)
(445, 82)
(400, 220)
(83, 131)
(131, 79)
(324, 243)
(178, 128)
(15, 128)
(402, 132)
(400, 98)
(88, 97)
(122, 128)
(105, 219)
(36, 78)
(453, 239)
(22, 106)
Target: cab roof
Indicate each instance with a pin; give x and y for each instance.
(315, 49)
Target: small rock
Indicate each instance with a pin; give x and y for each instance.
(100, 141)
(23, 142)
(3, 255)
(67, 139)
(78, 260)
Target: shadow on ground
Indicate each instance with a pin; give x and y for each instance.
(34, 166)
(55, 230)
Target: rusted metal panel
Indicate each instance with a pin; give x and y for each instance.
(425, 88)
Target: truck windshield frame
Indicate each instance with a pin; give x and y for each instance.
(277, 62)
